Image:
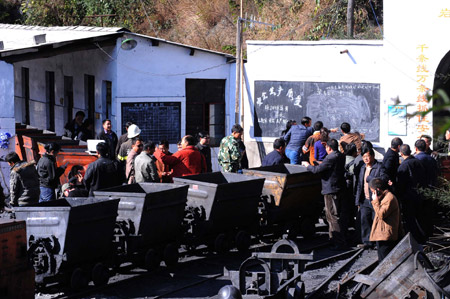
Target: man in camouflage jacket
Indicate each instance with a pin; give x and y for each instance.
(229, 154)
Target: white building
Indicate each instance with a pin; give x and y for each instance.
(370, 84)
(47, 74)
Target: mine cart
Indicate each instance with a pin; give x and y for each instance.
(291, 194)
(222, 209)
(149, 224)
(70, 239)
(405, 273)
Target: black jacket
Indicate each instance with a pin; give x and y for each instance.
(376, 172)
(391, 163)
(411, 175)
(72, 129)
(431, 167)
(206, 151)
(273, 158)
(24, 183)
(332, 171)
(111, 142)
(48, 172)
(102, 174)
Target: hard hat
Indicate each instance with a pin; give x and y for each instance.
(133, 131)
(229, 292)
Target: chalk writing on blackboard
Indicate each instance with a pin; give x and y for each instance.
(276, 102)
(157, 120)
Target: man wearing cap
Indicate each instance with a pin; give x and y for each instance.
(110, 138)
(125, 148)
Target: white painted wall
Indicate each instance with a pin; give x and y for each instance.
(7, 120)
(158, 73)
(314, 62)
(76, 64)
(424, 24)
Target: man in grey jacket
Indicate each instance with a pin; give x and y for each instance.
(24, 181)
(144, 165)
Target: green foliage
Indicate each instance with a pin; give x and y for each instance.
(440, 194)
(128, 13)
(229, 49)
(333, 23)
(10, 12)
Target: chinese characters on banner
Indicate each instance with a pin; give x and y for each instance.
(424, 125)
(445, 13)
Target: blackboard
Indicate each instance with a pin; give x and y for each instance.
(158, 121)
(276, 102)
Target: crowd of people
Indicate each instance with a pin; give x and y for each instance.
(384, 199)
(382, 195)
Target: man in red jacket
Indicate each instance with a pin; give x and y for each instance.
(186, 161)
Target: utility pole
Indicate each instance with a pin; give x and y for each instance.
(238, 65)
(350, 17)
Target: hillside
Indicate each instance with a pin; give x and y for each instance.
(208, 24)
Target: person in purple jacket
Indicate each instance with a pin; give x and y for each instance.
(319, 146)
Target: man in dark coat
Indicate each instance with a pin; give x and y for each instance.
(102, 173)
(205, 149)
(110, 138)
(370, 169)
(296, 138)
(73, 128)
(411, 175)
(391, 159)
(277, 156)
(332, 171)
(24, 181)
(428, 162)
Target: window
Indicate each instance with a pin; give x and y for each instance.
(68, 97)
(50, 95)
(26, 94)
(89, 94)
(107, 99)
(205, 108)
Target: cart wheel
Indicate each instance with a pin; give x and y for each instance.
(243, 241)
(221, 244)
(308, 228)
(151, 260)
(78, 280)
(171, 254)
(100, 274)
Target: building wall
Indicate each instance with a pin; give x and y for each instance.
(7, 121)
(310, 62)
(160, 73)
(414, 47)
(76, 64)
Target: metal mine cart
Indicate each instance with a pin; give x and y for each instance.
(70, 239)
(222, 209)
(291, 194)
(149, 222)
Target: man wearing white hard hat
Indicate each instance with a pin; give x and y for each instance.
(125, 148)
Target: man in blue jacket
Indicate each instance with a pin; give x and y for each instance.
(296, 138)
(332, 171)
(370, 170)
(277, 156)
